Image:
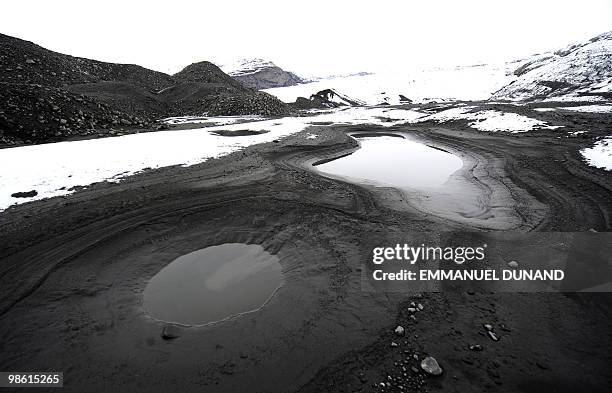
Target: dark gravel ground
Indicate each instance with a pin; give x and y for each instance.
(73, 269)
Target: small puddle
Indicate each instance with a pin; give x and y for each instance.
(213, 284)
(394, 161)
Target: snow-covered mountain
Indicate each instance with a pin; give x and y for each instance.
(583, 69)
(260, 74)
(579, 70)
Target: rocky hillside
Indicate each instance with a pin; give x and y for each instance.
(583, 69)
(203, 86)
(48, 96)
(261, 74)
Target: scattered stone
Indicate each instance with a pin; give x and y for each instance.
(394, 344)
(492, 336)
(170, 332)
(430, 366)
(513, 264)
(476, 347)
(399, 330)
(487, 326)
(420, 307)
(411, 309)
(26, 194)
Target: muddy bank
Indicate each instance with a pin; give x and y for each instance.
(74, 269)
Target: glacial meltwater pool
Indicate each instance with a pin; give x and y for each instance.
(394, 161)
(213, 284)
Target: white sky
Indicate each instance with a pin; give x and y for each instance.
(312, 37)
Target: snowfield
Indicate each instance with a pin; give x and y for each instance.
(600, 155)
(458, 83)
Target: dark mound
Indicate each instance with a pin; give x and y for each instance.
(327, 98)
(205, 87)
(206, 72)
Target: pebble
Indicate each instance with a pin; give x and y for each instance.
(513, 264)
(399, 330)
(394, 344)
(493, 336)
(170, 332)
(430, 365)
(476, 347)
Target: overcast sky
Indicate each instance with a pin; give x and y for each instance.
(312, 37)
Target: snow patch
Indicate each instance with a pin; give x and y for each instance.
(589, 108)
(600, 155)
(490, 120)
(219, 120)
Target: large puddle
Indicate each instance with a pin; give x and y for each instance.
(394, 161)
(213, 284)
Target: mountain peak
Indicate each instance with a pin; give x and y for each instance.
(260, 74)
(246, 66)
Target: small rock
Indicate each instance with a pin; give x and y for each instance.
(430, 366)
(25, 194)
(420, 307)
(399, 330)
(394, 344)
(170, 332)
(475, 347)
(493, 336)
(488, 326)
(513, 264)
(411, 309)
